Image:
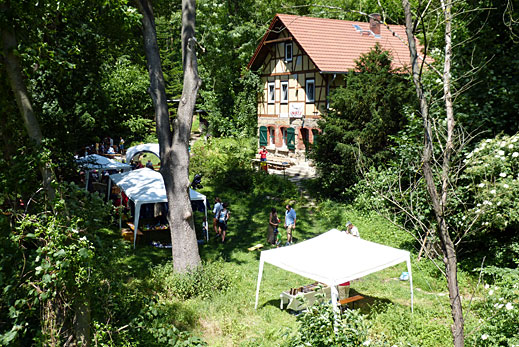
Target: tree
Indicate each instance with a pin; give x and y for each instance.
(174, 141)
(363, 114)
(14, 73)
(438, 183)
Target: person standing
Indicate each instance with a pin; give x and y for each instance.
(121, 145)
(273, 227)
(290, 223)
(263, 158)
(352, 229)
(223, 217)
(216, 211)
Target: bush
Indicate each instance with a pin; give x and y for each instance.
(320, 326)
(499, 311)
(214, 158)
(202, 282)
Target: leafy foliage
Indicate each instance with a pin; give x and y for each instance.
(499, 310)
(202, 282)
(321, 326)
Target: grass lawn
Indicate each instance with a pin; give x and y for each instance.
(228, 318)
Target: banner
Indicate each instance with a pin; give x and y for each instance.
(296, 109)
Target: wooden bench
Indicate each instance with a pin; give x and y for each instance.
(271, 164)
(351, 300)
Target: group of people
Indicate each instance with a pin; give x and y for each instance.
(221, 215)
(273, 237)
(106, 146)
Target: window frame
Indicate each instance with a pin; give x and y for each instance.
(307, 83)
(287, 45)
(284, 101)
(273, 99)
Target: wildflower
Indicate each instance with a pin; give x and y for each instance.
(510, 146)
(484, 337)
(493, 191)
(509, 306)
(515, 155)
(488, 140)
(481, 185)
(491, 292)
(506, 186)
(83, 238)
(502, 144)
(502, 174)
(487, 286)
(501, 152)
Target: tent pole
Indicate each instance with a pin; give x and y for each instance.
(87, 179)
(207, 222)
(109, 190)
(260, 274)
(408, 261)
(136, 222)
(335, 294)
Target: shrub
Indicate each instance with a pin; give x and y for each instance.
(499, 311)
(214, 158)
(320, 326)
(202, 282)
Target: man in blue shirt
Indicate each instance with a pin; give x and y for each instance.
(290, 223)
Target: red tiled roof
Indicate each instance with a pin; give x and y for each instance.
(334, 45)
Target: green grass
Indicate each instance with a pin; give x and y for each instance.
(228, 318)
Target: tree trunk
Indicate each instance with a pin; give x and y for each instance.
(14, 72)
(174, 154)
(439, 199)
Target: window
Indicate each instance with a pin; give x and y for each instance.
(272, 92)
(272, 136)
(310, 90)
(288, 51)
(284, 92)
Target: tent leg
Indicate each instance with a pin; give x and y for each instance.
(410, 282)
(260, 274)
(335, 294)
(136, 223)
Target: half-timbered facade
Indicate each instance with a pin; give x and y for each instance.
(300, 60)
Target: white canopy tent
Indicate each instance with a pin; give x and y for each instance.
(334, 258)
(146, 147)
(98, 162)
(146, 186)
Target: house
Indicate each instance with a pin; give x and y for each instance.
(300, 60)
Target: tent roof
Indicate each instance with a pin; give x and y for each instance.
(96, 161)
(146, 147)
(334, 257)
(145, 186)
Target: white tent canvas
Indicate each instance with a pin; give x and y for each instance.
(146, 147)
(98, 162)
(146, 186)
(334, 258)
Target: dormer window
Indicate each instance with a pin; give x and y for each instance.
(288, 51)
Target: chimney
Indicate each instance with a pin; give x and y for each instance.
(374, 23)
